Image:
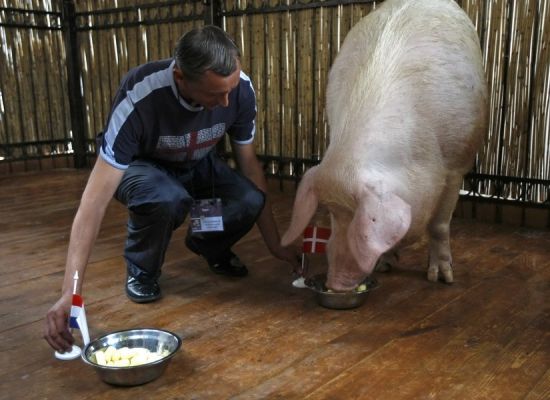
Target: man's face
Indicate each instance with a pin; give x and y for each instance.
(210, 91)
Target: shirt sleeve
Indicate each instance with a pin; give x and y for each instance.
(242, 131)
(120, 139)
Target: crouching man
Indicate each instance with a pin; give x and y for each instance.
(157, 156)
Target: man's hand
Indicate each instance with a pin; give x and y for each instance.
(56, 328)
(290, 254)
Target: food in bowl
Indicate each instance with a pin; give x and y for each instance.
(161, 346)
(126, 356)
(359, 289)
(340, 300)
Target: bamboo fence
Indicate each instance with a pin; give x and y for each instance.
(287, 47)
(33, 89)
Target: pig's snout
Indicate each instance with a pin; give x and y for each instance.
(344, 281)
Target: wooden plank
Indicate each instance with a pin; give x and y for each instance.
(461, 351)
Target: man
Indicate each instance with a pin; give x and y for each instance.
(157, 157)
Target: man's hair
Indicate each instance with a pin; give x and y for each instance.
(206, 49)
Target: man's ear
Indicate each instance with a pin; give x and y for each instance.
(178, 75)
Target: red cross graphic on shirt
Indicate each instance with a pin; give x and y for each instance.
(193, 144)
(187, 147)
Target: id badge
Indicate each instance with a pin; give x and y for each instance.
(206, 215)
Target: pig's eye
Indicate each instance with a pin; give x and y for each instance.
(374, 220)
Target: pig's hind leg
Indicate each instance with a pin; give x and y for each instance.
(440, 260)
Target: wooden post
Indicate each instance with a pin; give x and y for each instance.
(213, 13)
(76, 101)
(213, 16)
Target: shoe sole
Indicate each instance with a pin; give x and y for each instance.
(141, 300)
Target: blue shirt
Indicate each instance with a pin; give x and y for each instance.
(149, 119)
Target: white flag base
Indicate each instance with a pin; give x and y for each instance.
(73, 354)
(299, 283)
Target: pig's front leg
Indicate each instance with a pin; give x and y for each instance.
(440, 260)
(387, 261)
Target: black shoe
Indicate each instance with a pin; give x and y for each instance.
(191, 245)
(140, 292)
(230, 265)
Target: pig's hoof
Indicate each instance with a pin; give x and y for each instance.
(446, 273)
(383, 266)
(433, 273)
(387, 261)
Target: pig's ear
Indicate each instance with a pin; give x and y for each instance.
(305, 205)
(379, 223)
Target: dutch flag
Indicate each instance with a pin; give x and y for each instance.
(78, 318)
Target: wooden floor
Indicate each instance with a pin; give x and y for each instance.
(485, 337)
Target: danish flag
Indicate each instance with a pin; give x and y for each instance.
(315, 239)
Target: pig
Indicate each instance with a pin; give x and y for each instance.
(407, 108)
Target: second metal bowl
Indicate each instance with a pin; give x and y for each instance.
(155, 340)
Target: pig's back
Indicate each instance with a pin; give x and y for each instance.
(409, 79)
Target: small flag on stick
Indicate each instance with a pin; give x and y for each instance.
(77, 319)
(315, 239)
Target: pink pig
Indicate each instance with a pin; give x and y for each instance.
(407, 108)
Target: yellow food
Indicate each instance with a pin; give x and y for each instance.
(125, 356)
(100, 357)
(109, 353)
(359, 289)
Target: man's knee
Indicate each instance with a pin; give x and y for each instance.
(253, 202)
(168, 203)
(172, 200)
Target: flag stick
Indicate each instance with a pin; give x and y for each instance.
(83, 323)
(75, 281)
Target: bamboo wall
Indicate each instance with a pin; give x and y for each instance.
(516, 46)
(288, 55)
(113, 43)
(34, 112)
(288, 47)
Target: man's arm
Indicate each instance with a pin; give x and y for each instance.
(249, 165)
(103, 181)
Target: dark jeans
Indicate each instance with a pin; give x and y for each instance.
(159, 198)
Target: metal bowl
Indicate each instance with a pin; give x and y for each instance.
(155, 340)
(339, 300)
